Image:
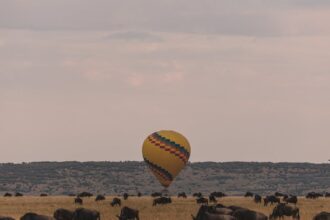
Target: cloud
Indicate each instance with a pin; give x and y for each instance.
(135, 80)
(256, 18)
(173, 77)
(135, 36)
(254, 75)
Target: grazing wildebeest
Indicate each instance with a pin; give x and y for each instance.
(202, 200)
(127, 213)
(63, 214)
(291, 199)
(86, 214)
(248, 194)
(199, 194)
(322, 216)
(257, 198)
(234, 207)
(162, 201)
(85, 194)
(278, 194)
(18, 194)
(182, 195)
(116, 201)
(271, 199)
(204, 214)
(246, 214)
(281, 210)
(156, 194)
(99, 198)
(212, 198)
(218, 194)
(313, 195)
(285, 197)
(43, 195)
(6, 218)
(7, 195)
(125, 196)
(78, 200)
(220, 209)
(34, 216)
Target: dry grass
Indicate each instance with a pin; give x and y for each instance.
(179, 209)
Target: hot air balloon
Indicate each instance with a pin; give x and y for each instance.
(166, 154)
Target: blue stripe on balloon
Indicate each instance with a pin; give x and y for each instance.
(171, 143)
(160, 169)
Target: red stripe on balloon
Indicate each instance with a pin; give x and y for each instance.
(169, 149)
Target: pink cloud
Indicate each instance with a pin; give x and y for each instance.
(135, 80)
(173, 77)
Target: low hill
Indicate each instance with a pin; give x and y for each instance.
(234, 178)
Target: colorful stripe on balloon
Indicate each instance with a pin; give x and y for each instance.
(159, 170)
(169, 146)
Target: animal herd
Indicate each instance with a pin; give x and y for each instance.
(209, 209)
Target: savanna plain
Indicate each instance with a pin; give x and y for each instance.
(180, 209)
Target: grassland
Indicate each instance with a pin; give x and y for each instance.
(179, 209)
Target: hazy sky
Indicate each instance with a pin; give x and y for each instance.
(89, 80)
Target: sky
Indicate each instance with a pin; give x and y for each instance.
(90, 80)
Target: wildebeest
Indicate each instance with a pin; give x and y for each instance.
(291, 199)
(139, 194)
(248, 194)
(212, 198)
(322, 216)
(85, 194)
(257, 198)
(182, 195)
(220, 209)
(234, 207)
(218, 194)
(205, 214)
(116, 202)
(246, 214)
(43, 195)
(271, 199)
(63, 214)
(125, 196)
(281, 210)
(7, 195)
(162, 201)
(34, 216)
(313, 195)
(285, 197)
(278, 194)
(156, 194)
(127, 213)
(78, 200)
(86, 214)
(199, 194)
(18, 194)
(202, 200)
(99, 198)
(327, 194)
(6, 218)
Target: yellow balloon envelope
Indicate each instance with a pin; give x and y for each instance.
(166, 153)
